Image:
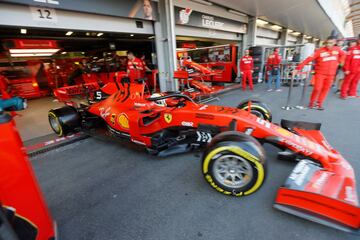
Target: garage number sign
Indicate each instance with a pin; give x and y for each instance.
(189, 17)
(41, 14)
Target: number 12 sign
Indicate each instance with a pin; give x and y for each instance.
(43, 14)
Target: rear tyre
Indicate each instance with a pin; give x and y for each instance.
(234, 164)
(64, 120)
(258, 108)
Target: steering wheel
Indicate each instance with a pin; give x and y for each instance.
(175, 95)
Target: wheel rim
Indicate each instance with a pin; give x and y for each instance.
(55, 124)
(257, 113)
(232, 171)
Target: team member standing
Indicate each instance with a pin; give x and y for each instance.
(352, 71)
(273, 69)
(327, 60)
(246, 69)
(135, 67)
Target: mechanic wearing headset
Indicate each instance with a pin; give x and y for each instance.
(327, 60)
(246, 69)
(352, 72)
(135, 67)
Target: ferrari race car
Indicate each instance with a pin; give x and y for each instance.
(321, 187)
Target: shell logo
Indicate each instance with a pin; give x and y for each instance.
(123, 121)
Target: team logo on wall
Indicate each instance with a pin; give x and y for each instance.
(168, 117)
(123, 121)
(184, 15)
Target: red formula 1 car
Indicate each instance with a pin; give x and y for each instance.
(24, 214)
(320, 188)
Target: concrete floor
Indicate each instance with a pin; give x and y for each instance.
(101, 190)
(33, 121)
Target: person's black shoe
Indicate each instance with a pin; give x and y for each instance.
(320, 108)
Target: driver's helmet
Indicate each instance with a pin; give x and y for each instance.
(161, 103)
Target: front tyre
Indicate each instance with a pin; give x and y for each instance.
(257, 108)
(235, 164)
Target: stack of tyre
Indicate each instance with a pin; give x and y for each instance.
(257, 53)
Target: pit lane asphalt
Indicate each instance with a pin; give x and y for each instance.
(102, 190)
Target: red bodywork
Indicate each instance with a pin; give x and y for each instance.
(19, 191)
(326, 187)
(225, 69)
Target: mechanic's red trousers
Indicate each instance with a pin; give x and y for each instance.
(247, 76)
(321, 89)
(350, 84)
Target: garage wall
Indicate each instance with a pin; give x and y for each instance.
(266, 36)
(206, 33)
(24, 16)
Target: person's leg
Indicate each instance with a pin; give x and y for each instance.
(250, 81)
(270, 81)
(327, 83)
(346, 85)
(354, 85)
(316, 89)
(278, 79)
(243, 81)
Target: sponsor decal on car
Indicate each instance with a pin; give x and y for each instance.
(104, 112)
(167, 117)
(203, 107)
(187, 124)
(204, 116)
(297, 147)
(299, 173)
(263, 122)
(283, 132)
(112, 118)
(349, 194)
(123, 121)
(321, 180)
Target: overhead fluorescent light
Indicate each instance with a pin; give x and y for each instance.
(99, 34)
(308, 37)
(31, 54)
(151, 37)
(290, 31)
(23, 31)
(50, 50)
(203, 2)
(131, 35)
(69, 33)
(64, 53)
(87, 34)
(276, 27)
(316, 39)
(296, 33)
(236, 12)
(261, 22)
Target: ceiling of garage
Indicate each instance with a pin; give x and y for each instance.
(354, 15)
(305, 16)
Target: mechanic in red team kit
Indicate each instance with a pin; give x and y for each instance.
(135, 67)
(352, 71)
(327, 60)
(273, 69)
(246, 69)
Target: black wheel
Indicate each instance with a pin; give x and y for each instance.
(234, 164)
(258, 108)
(64, 120)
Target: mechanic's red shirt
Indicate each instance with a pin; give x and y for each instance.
(352, 61)
(136, 68)
(326, 60)
(246, 63)
(273, 60)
